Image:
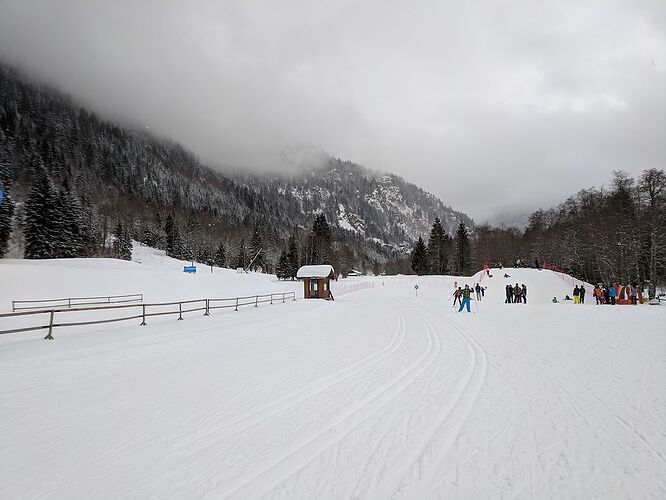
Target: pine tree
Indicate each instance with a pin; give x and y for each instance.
(320, 236)
(126, 246)
(40, 226)
(257, 252)
(220, 258)
(69, 240)
(438, 246)
(462, 250)
(283, 270)
(420, 258)
(292, 258)
(6, 214)
(118, 239)
(241, 258)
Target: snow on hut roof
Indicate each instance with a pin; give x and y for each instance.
(321, 271)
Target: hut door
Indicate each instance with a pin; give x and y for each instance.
(314, 289)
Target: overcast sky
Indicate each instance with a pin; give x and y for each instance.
(494, 106)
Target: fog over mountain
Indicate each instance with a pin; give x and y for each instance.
(492, 109)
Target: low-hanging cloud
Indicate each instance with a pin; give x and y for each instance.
(492, 106)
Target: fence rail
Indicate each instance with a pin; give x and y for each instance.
(75, 302)
(143, 311)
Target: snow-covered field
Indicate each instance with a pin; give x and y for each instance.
(379, 394)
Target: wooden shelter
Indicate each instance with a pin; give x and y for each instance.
(317, 281)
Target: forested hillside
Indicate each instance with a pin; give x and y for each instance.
(600, 234)
(102, 179)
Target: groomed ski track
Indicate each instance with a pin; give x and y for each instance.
(380, 394)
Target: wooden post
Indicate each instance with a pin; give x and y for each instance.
(271, 299)
(49, 336)
(180, 311)
(69, 302)
(236, 304)
(283, 294)
(143, 322)
(256, 301)
(207, 313)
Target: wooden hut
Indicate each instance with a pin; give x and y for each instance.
(317, 281)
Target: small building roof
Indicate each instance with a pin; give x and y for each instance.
(320, 271)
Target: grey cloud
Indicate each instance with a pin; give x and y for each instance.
(493, 106)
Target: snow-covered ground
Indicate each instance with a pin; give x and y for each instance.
(379, 394)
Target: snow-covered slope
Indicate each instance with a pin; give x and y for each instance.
(381, 394)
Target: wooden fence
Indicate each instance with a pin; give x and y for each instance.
(139, 311)
(69, 302)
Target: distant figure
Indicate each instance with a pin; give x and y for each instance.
(465, 298)
(506, 275)
(518, 263)
(606, 295)
(633, 294)
(457, 296)
(566, 297)
(524, 293)
(555, 300)
(500, 266)
(509, 294)
(597, 295)
(483, 289)
(536, 262)
(611, 294)
(477, 289)
(517, 294)
(576, 295)
(582, 294)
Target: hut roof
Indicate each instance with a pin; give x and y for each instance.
(320, 271)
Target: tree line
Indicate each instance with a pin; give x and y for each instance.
(600, 235)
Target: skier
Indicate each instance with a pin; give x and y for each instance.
(576, 295)
(483, 290)
(477, 289)
(597, 294)
(611, 294)
(582, 294)
(524, 293)
(465, 298)
(536, 262)
(509, 294)
(457, 296)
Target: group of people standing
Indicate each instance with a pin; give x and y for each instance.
(516, 294)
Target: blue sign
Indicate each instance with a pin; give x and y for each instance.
(2, 195)
(189, 269)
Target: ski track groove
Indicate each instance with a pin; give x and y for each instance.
(300, 456)
(257, 415)
(456, 413)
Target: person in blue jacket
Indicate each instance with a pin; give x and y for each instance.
(466, 293)
(611, 294)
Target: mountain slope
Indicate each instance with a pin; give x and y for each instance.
(130, 175)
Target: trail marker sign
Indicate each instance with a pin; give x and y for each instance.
(190, 269)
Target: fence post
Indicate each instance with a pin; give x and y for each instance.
(283, 294)
(236, 304)
(207, 313)
(69, 302)
(49, 336)
(256, 301)
(294, 295)
(180, 311)
(271, 299)
(143, 322)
